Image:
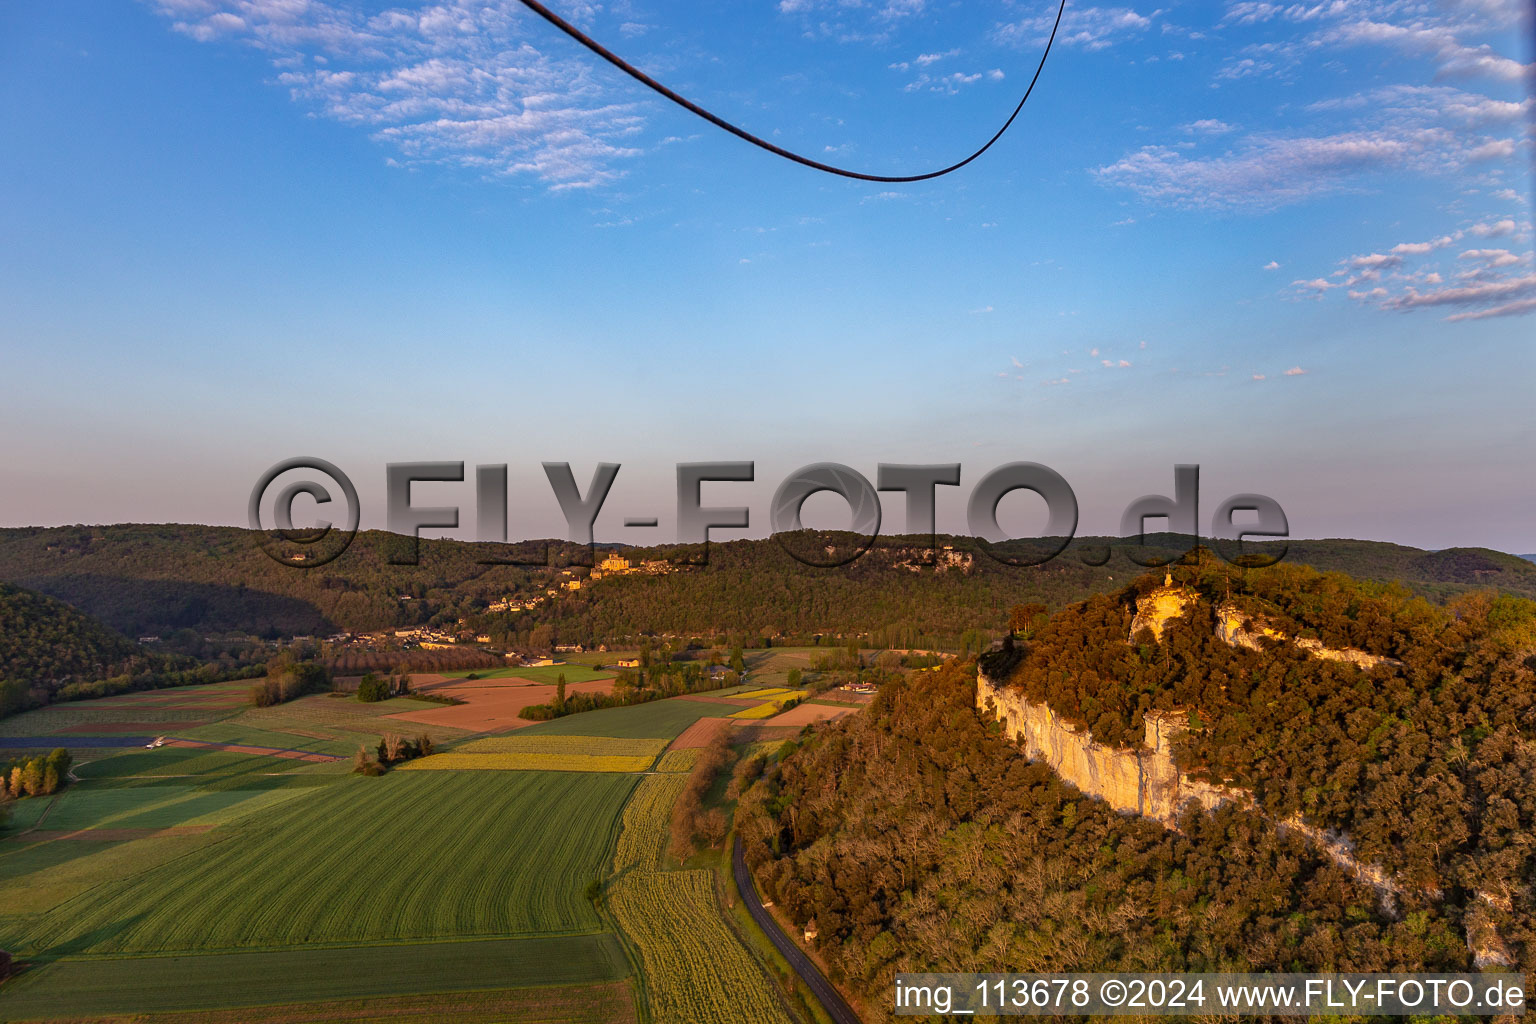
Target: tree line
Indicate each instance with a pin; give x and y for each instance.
(39, 775)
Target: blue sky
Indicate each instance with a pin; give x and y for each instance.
(1291, 243)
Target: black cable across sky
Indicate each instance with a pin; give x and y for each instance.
(741, 133)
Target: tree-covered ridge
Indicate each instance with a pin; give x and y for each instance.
(45, 643)
(919, 840)
(1428, 766)
(187, 581)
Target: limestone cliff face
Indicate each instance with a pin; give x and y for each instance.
(1144, 782)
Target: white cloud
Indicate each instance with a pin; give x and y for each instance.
(1208, 126)
(458, 82)
(1408, 277)
(1353, 143)
(1494, 229)
(1491, 257)
(1091, 28)
(1516, 308)
(1271, 265)
(1437, 42)
(1465, 295)
(1420, 248)
(1295, 371)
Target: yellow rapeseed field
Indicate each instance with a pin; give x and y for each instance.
(678, 760)
(696, 970)
(761, 711)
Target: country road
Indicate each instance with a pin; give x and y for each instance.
(831, 1000)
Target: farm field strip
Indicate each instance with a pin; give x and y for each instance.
(36, 877)
(409, 856)
(806, 714)
(103, 985)
(173, 761)
(63, 718)
(609, 1002)
(244, 732)
(761, 711)
(657, 719)
(680, 760)
(531, 762)
(96, 806)
(642, 839)
(696, 970)
(537, 674)
(539, 743)
(699, 734)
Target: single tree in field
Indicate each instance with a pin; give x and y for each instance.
(424, 744)
(712, 827)
(393, 746)
(793, 682)
(560, 691)
(360, 759)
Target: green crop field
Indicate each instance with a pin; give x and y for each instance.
(325, 713)
(457, 762)
(243, 730)
(104, 985)
(182, 761)
(526, 742)
(538, 674)
(164, 803)
(409, 856)
(659, 719)
(609, 1002)
(36, 877)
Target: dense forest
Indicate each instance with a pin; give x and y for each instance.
(45, 644)
(186, 582)
(918, 839)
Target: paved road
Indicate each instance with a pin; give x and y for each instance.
(831, 1000)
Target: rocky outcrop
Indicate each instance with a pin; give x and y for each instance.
(1240, 630)
(1488, 948)
(1144, 782)
(1156, 609)
(1161, 606)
